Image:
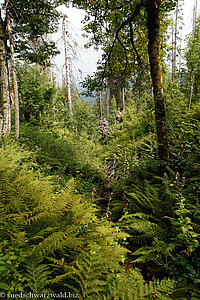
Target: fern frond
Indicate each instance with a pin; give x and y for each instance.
(89, 273)
(59, 240)
(37, 273)
(154, 252)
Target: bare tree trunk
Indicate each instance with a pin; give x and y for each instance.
(15, 85)
(194, 16)
(118, 94)
(107, 103)
(101, 105)
(5, 111)
(174, 45)
(175, 38)
(123, 99)
(180, 59)
(192, 81)
(191, 90)
(51, 73)
(67, 69)
(172, 77)
(110, 86)
(153, 25)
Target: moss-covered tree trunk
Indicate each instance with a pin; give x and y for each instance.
(153, 25)
(5, 109)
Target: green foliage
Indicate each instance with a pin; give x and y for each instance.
(83, 122)
(39, 220)
(31, 22)
(37, 275)
(29, 205)
(130, 146)
(53, 236)
(11, 277)
(163, 228)
(183, 223)
(132, 287)
(90, 272)
(123, 39)
(184, 137)
(21, 272)
(192, 56)
(55, 150)
(97, 275)
(36, 94)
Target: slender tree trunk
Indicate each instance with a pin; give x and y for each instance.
(172, 77)
(123, 99)
(153, 25)
(118, 94)
(67, 69)
(110, 86)
(180, 60)
(13, 66)
(101, 105)
(191, 90)
(51, 73)
(107, 103)
(5, 111)
(194, 16)
(175, 43)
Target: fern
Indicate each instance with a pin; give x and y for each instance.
(37, 274)
(84, 250)
(62, 226)
(132, 287)
(158, 289)
(142, 228)
(88, 275)
(92, 277)
(163, 229)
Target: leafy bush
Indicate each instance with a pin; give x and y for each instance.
(55, 150)
(36, 93)
(164, 229)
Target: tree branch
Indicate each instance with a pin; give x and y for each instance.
(125, 52)
(124, 23)
(132, 43)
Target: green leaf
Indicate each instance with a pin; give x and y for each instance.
(2, 269)
(4, 286)
(13, 257)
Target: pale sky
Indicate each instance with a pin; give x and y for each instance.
(88, 58)
(188, 13)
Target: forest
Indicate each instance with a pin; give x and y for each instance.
(100, 199)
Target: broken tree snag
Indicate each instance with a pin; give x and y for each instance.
(5, 110)
(13, 66)
(153, 26)
(68, 82)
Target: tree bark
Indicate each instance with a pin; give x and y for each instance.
(107, 103)
(191, 90)
(174, 43)
(101, 105)
(123, 99)
(153, 26)
(67, 69)
(5, 111)
(13, 66)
